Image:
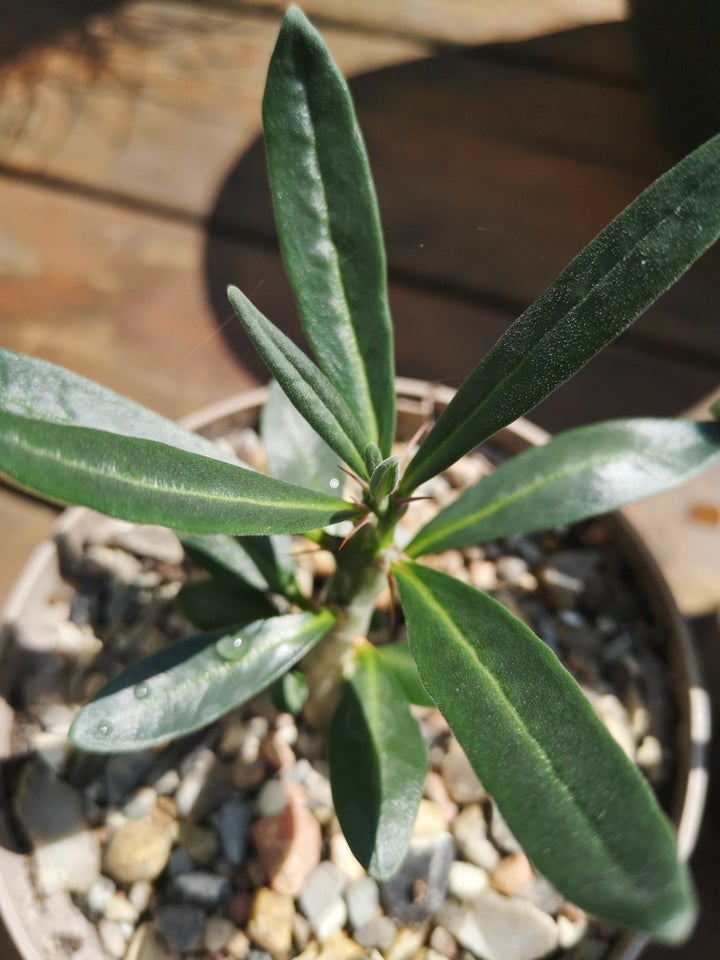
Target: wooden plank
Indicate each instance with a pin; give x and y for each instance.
(491, 174)
(171, 103)
(463, 21)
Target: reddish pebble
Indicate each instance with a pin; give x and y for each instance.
(289, 844)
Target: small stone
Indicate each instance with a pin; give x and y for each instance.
(444, 942)
(420, 885)
(202, 888)
(233, 823)
(181, 925)
(289, 844)
(141, 804)
(511, 569)
(406, 944)
(570, 932)
(378, 933)
(180, 862)
(512, 874)
(200, 842)
(112, 939)
(460, 778)
(339, 946)
(321, 900)
(51, 748)
(497, 928)
(344, 859)
(301, 931)
(120, 910)
(124, 772)
(217, 932)
(99, 893)
(617, 720)
(649, 757)
(430, 821)
(466, 880)
(271, 800)
(71, 863)
(543, 894)
(140, 895)
(363, 901)
(167, 783)
(238, 946)
(501, 834)
(205, 784)
(147, 945)
(562, 589)
(139, 850)
(483, 575)
(436, 791)
(470, 832)
(155, 543)
(271, 922)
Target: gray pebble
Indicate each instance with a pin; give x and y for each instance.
(363, 901)
(233, 824)
(180, 862)
(181, 925)
(420, 886)
(124, 772)
(203, 888)
(376, 934)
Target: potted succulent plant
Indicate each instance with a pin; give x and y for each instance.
(582, 812)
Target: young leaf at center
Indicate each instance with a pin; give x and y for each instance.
(581, 810)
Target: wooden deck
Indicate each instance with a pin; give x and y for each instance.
(503, 135)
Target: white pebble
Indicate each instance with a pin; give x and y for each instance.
(466, 881)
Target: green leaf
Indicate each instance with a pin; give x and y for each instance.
(377, 766)
(192, 682)
(294, 451)
(715, 410)
(578, 474)
(384, 479)
(42, 391)
(600, 293)
(397, 660)
(264, 563)
(290, 692)
(308, 388)
(148, 482)
(581, 810)
(329, 225)
(213, 603)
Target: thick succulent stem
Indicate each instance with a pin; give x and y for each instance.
(355, 587)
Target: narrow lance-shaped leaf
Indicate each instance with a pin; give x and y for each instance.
(308, 388)
(194, 681)
(213, 603)
(294, 451)
(148, 482)
(603, 290)
(578, 474)
(583, 813)
(264, 563)
(377, 766)
(397, 660)
(43, 391)
(329, 225)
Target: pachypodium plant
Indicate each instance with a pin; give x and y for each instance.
(581, 810)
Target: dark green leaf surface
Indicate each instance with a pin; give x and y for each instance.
(192, 682)
(377, 766)
(42, 391)
(397, 660)
(148, 482)
(329, 225)
(294, 451)
(214, 603)
(307, 387)
(601, 292)
(581, 810)
(578, 474)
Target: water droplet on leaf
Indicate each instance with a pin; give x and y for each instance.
(103, 729)
(334, 483)
(141, 691)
